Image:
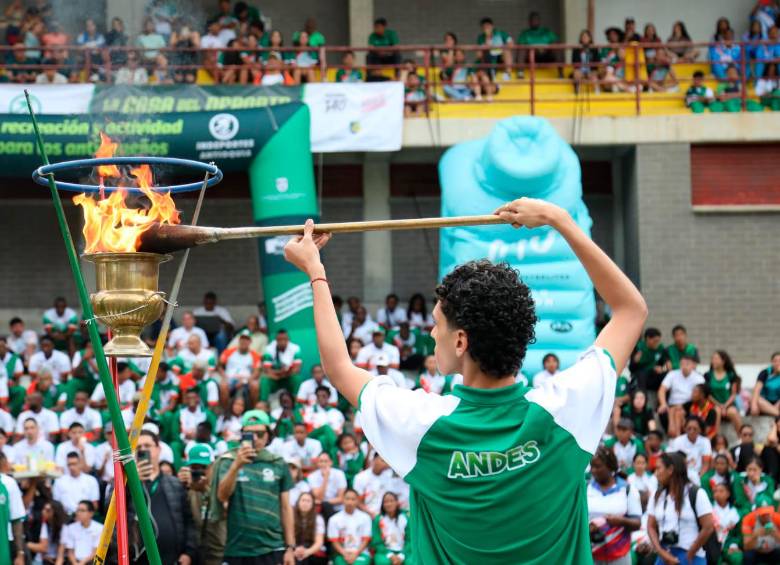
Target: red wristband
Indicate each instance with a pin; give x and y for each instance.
(323, 279)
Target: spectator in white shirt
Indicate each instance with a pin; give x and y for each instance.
(323, 414)
(675, 391)
(104, 455)
(371, 484)
(75, 485)
(431, 380)
(328, 485)
(383, 368)
(48, 359)
(125, 392)
(212, 39)
(21, 340)
(218, 318)
(76, 443)
(33, 448)
(132, 72)
(47, 420)
(307, 392)
(81, 538)
(50, 75)
(60, 323)
(368, 354)
(551, 365)
(178, 337)
(696, 448)
(391, 315)
(353, 303)
(303, 448)
(418, 314)
(349, 532)
(361, 327)
(81, 412)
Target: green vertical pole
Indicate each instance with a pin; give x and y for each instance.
(133, 480)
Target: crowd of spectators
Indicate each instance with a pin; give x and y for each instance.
(236, 44)
(667, 445)
(227, 398)
(230, 400)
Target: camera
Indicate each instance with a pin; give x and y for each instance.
(670, 539)
(597, 536)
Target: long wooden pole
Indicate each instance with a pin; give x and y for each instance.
(167, 238)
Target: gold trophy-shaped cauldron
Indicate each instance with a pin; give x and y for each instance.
(127, 298)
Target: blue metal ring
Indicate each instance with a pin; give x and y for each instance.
(41, 173)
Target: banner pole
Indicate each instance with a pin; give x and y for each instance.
(133, 480)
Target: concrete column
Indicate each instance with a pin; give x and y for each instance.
(132, 13)
(377, 246)
(575, 19)
(361, 22)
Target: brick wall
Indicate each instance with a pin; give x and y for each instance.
(427, 21)
(730, 174)
(715, 273)
(344, 254)
(415, 252)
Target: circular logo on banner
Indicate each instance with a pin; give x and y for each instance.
(282, 184)
(223, 126)
(18, 104)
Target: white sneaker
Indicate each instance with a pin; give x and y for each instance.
(507, 76)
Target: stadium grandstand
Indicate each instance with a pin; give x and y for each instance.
(671, 108)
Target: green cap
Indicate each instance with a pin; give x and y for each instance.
(200, 454)
(255, 417)
(763, 500)
(245, 333)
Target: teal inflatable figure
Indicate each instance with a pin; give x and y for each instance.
(523, 156)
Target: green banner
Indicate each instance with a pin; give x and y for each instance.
(166, 99)
(230, 139)
(282, 182)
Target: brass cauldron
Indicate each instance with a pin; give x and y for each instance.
(127, 299)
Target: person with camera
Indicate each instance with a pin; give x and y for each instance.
(679, 522)
(170, 508)
(195, 475)
(255, 485)
(614, 510)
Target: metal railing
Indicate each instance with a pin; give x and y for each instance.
(628, 76)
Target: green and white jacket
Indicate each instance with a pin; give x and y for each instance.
(496, 475)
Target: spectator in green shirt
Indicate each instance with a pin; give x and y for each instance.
(382, 36)
(348, 72)
(681, 347)
(255, 485)
(500, 52)
(536, 34)
(649, 361)
(316, 39)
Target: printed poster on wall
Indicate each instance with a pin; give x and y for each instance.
(355, 116)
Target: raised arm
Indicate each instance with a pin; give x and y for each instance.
(304, 252)
(629, 310)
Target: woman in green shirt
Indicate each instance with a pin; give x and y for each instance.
(724, 387)
(390, 533)
(351, 459)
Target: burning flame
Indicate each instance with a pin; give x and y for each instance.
(109, 224)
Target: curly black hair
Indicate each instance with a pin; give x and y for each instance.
(494, 307)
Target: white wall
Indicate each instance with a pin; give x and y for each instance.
(699, 16)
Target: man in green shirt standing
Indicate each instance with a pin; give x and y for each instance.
(650, 361)
(536, 34)
(255, 485)
(495, 468)
(382, 36)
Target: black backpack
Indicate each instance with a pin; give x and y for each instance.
(712, 547)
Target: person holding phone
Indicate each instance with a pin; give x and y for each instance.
(170, 508)
(254, 484)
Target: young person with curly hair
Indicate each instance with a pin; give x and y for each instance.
(495, 468)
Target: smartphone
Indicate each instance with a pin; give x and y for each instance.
(197, 475)
(248, 437)
(144, 455)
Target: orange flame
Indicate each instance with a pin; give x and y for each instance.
(107, 149)
(109, 225)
